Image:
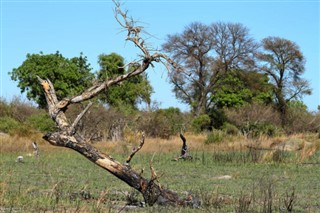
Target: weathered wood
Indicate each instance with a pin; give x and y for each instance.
(184, 150)
(36, 149)
(150, 190)
(135, 149)
(66, 135)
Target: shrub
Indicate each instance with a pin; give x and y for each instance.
(253, 113)
(300, 119)
(99, 122)
(230, 129)
(255, 120)
(13, 127)
(215, 136)
(162, 123)
(200, 123)
(8, 125)
(41, 122)
(258, 129)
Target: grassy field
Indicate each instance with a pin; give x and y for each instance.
(224, 177)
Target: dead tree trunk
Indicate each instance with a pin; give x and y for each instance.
(184, 150)
(66, 136)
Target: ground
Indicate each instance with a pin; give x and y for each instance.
(225, 177)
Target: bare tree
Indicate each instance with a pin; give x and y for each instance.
(234, 47)
(67, 136)
(284, 63)
(206, 53)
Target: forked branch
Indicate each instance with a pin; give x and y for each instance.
(66, 135)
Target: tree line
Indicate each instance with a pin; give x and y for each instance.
(223, 70)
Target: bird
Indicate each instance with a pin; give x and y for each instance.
(19, 159)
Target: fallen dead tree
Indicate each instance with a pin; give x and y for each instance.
(67, 135)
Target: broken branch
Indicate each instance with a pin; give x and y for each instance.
(135, 149)
(77, 120)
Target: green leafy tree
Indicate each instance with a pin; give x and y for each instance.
(127, 94)
(284, 63)
(69, 76)
(237, 88)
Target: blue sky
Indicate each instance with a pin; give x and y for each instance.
(90, 27)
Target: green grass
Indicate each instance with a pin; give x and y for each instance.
(64, 181)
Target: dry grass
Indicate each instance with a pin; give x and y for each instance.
(23, 145)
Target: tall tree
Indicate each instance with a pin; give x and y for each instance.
(206, 53)
(70, 76)
(127, 94)
(284, 63)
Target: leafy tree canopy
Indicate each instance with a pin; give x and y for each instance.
(239, 87)
(127, 94)
(69, 76)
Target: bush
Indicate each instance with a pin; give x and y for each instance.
(300, 119)
(14, 127)
(255, 120)
(41, 122)
(200, 123)
(215, 136)
(230, 129)
(258, 129)
(8, 125)
(99, 122)
(162, 123)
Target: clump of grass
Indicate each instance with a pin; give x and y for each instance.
(215, 136)
(243, 203)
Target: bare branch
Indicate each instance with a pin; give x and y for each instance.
(135, 149)
(65, 137)
(133, 31)
(77, 120)
(154, 176)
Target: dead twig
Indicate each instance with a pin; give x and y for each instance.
(135, 149)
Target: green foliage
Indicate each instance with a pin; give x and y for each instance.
(297, 105)
(129, 93)
(230, 129)
(13, 127)
(231, 93)
(215, 136)
(200, 123)
(237, 88)
(41, 122)
(69, 76)
(8, 124)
